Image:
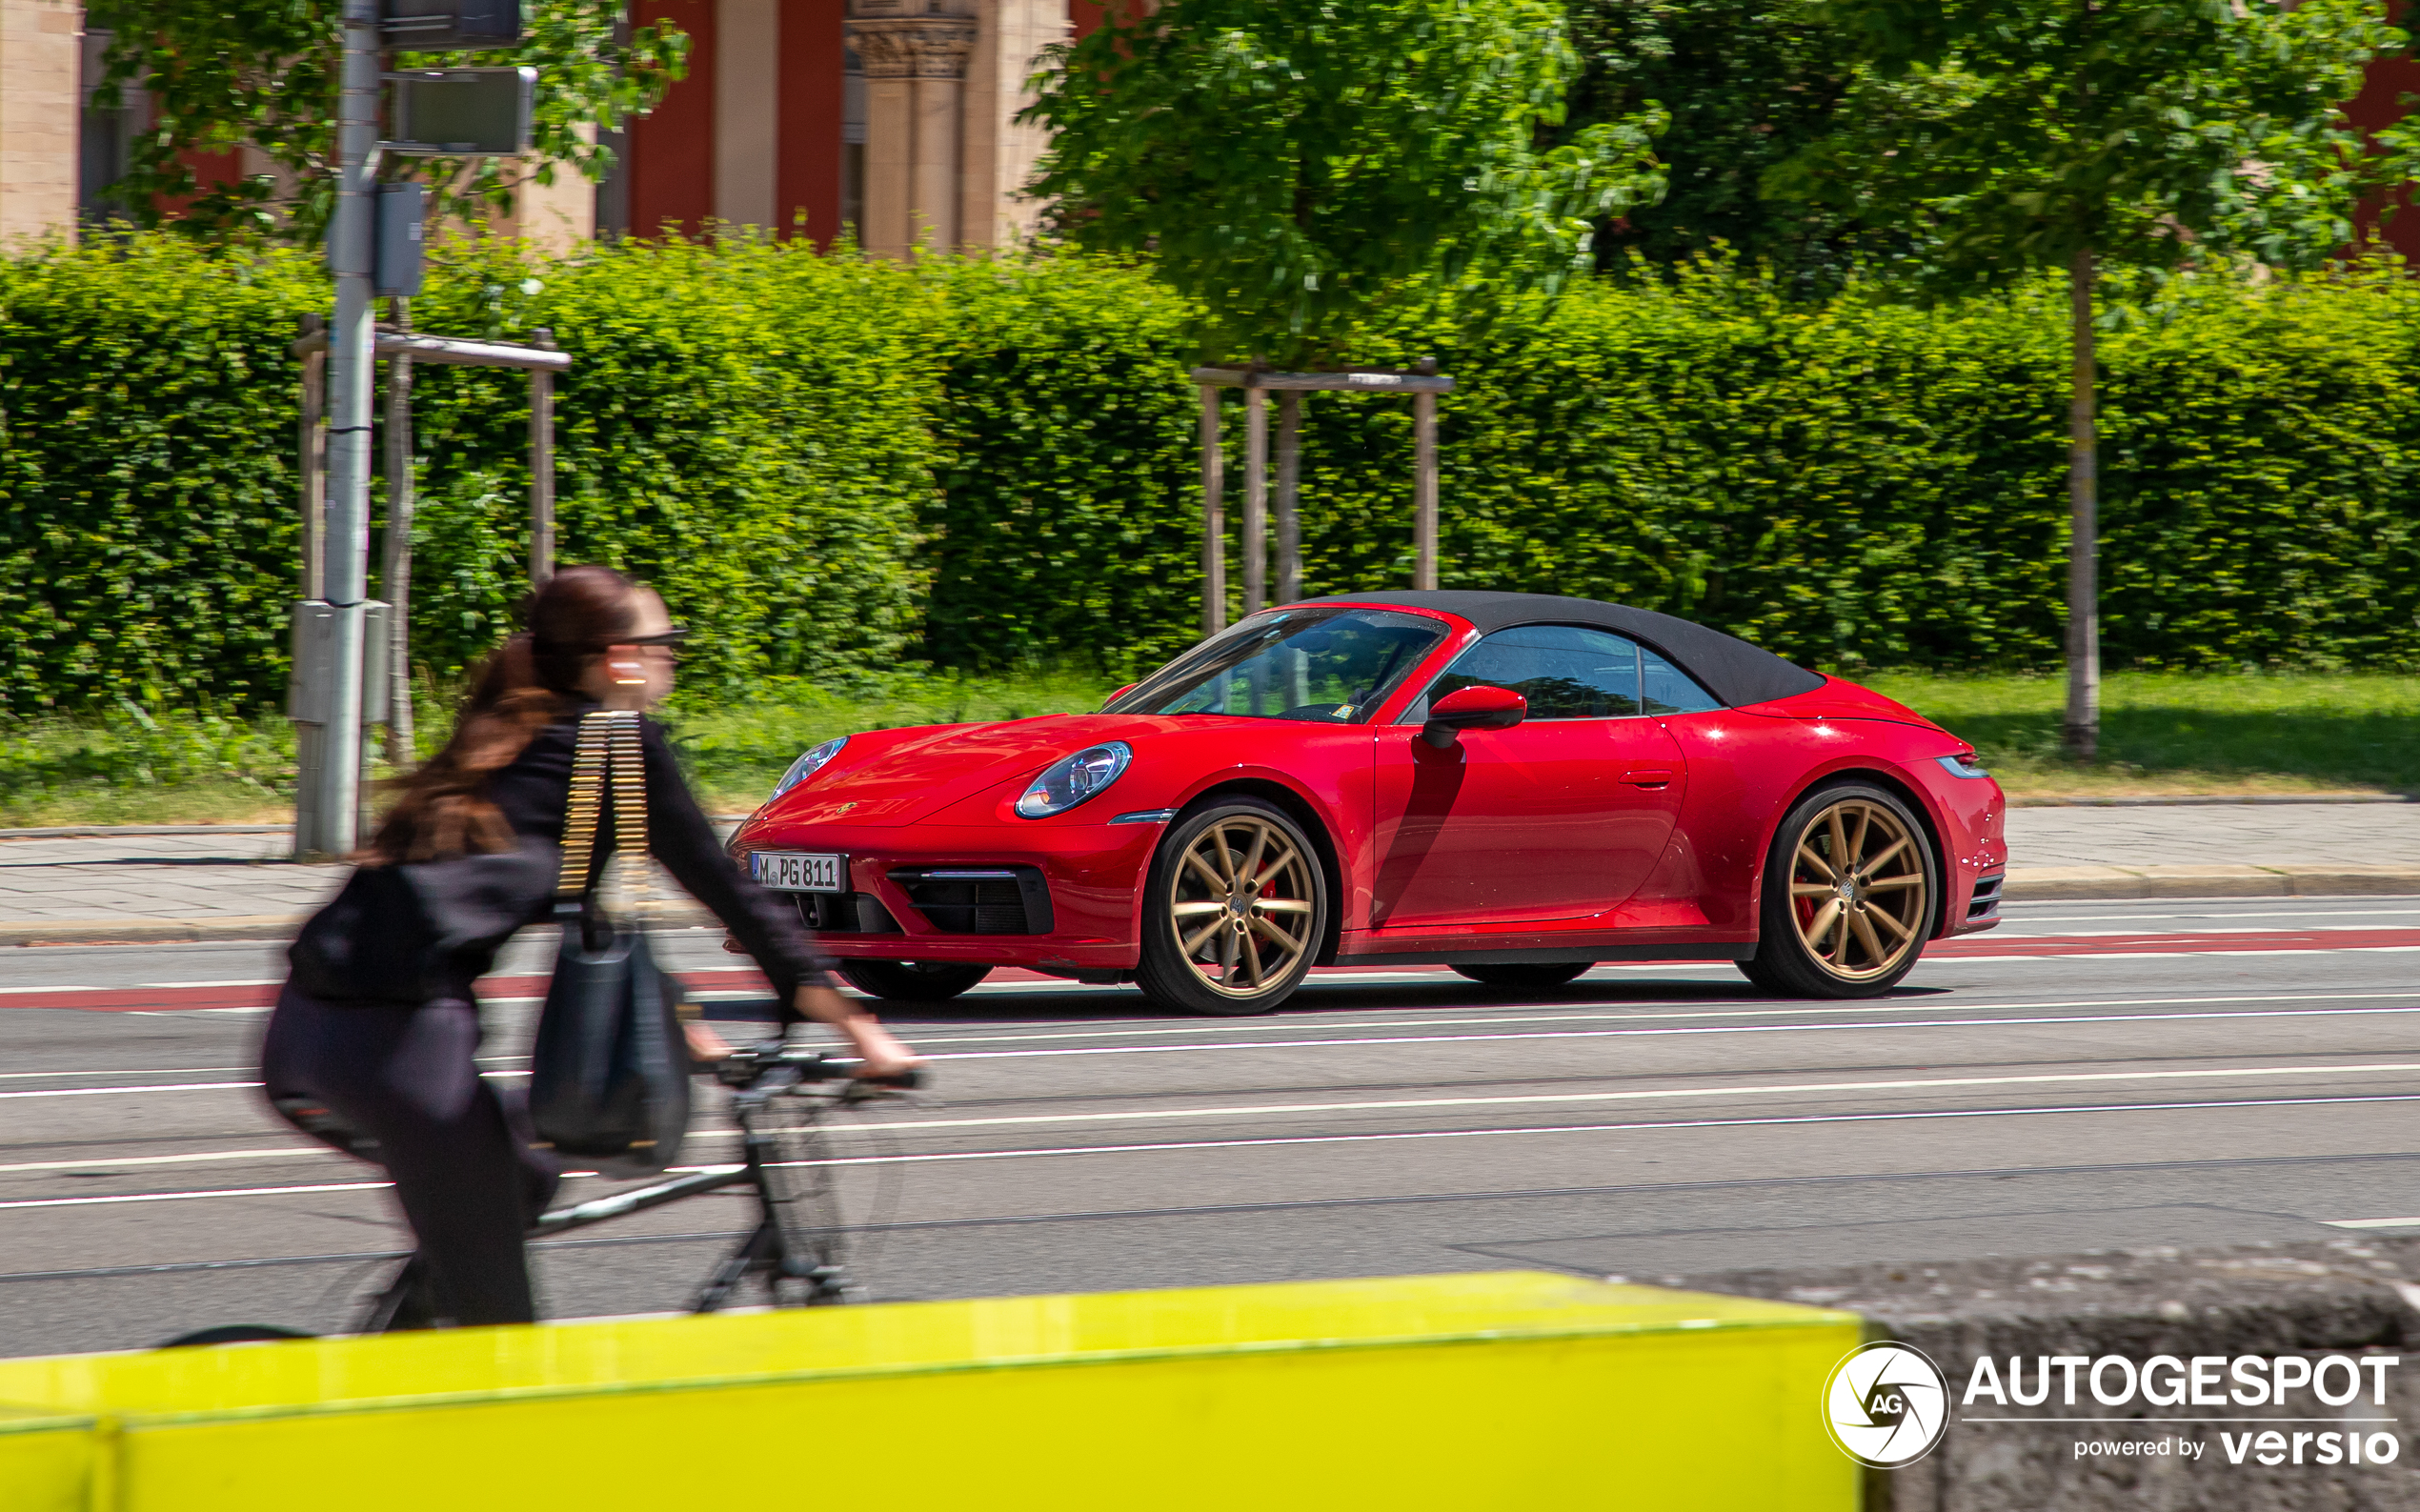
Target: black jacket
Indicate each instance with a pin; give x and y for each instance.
(422, 931)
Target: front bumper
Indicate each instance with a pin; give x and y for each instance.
(1082, 883)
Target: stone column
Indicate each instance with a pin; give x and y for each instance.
(40, 116)
(999, 154)
(747, 110)
(914, 53)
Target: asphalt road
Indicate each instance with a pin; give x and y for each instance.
(2092, 1076)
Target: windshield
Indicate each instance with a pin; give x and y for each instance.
(1332, 666)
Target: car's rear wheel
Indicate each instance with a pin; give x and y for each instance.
(912, 980)
(1849, 890)
(1233, 911)
(1526, 976)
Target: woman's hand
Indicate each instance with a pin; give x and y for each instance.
(880, 1051)
(705, 1045)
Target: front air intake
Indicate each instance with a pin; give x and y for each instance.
(979, 900)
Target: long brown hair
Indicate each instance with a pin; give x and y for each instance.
(443, 809)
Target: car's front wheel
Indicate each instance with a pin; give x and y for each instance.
(912, 980)
(1233, 911)
(1848, 895)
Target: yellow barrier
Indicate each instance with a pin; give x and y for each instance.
(1514, 1390)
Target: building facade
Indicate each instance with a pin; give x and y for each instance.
(802, 116)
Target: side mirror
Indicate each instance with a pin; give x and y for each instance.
(1120, 694)
(1474, 708)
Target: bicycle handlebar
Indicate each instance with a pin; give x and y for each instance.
(749, 1065)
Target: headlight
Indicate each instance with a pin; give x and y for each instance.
(1071, 781)
(808, 765)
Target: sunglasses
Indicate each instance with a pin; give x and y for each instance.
(669, 637)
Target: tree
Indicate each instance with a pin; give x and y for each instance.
(1291, 165)
(222, 76)
(1748, 87)
(1996, 137)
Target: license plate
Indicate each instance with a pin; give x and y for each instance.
(801, 871)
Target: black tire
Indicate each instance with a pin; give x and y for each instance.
(912, 980)
(233, 1333)
(1282, 911)
(1524, 977)
(1878, 910)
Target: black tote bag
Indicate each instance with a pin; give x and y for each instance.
(608, 1080)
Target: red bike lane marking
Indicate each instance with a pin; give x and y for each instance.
(262, 994)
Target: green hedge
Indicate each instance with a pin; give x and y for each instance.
(745, 426)
(833, 466)
(1857, 483)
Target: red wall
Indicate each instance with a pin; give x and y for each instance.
(2379, 104)
(807, 174)
(671, 148)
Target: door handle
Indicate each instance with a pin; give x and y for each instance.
(1648, 777)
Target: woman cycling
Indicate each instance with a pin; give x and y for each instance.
(376, 1034)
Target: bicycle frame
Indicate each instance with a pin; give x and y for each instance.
(767, 1252)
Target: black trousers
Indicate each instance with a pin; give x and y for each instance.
(458, 1150)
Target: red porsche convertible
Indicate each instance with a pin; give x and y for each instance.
(1513, 785)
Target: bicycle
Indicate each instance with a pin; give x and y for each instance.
(795, 1250)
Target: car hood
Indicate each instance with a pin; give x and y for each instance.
(899, 776)
(1841, 699)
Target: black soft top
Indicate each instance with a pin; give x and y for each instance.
(1726, 666)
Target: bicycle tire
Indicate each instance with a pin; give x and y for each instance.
(804, 1199)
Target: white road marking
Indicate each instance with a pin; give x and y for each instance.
(1702, 1029)
(1895, 1006)
(1652, 1094)
(1177, 1147)
(2371, 1223)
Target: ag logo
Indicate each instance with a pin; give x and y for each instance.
(1886, 1404)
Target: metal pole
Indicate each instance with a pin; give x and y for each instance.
(542, 468)
(1289, 472)
(2082, 733)
(1214, 518)
(1424, 485)
(1256, 498)
(311, 448)
(394, 575)
(334, 789)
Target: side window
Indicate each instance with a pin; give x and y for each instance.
(1669, 690)
(1565, 673)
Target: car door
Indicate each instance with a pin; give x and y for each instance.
(1564, 815)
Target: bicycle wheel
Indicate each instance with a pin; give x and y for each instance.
(802, 1197)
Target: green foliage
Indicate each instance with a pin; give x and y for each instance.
(836, 466)
(131, 765)
(1068, 518)
(148, 520)
(744, 425)
(219, 76)
(2005, 135)
(2186, 732)
(1295, 166)
(1748, 87)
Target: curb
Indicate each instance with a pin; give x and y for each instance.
(2045, 884)
(2027, 884)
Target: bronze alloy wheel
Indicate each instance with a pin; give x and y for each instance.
(1240, 902)
(1848, 895)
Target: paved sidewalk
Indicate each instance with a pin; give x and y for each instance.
(193, 886)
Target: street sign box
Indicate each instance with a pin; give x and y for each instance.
(447, 26)
(463, 112)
